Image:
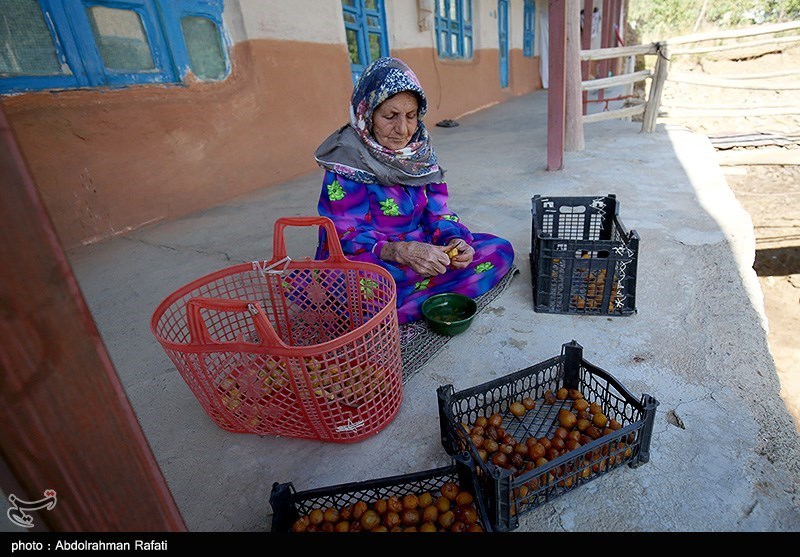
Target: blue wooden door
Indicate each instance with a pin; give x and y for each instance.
(365, 30)
(502, 29)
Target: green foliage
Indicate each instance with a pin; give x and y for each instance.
(659, 19)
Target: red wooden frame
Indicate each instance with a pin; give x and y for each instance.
(65, 422)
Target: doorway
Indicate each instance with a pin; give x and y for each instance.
(502, 28)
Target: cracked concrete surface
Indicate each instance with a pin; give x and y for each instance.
(697, 343)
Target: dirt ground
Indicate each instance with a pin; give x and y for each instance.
(769, 192)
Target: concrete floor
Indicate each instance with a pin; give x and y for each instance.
(697, 343)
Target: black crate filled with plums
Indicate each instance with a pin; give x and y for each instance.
(444, 499)
(544, 431)
(583, 259)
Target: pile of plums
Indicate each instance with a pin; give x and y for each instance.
(452, 509)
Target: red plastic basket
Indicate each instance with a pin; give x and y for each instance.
(307, 349)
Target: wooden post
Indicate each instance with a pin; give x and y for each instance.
(602, 65)
(573, 135)
(628, 64)
(586, 44)
(618, 22)
(616, 31)
(656, 87)
(556, 94)
(65, 422)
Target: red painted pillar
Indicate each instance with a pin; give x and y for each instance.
(556, 94)
(65, 422)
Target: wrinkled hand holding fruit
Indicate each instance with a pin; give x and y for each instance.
(451, 510)
(578, 426)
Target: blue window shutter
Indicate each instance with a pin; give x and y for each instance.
(76, 48)
(529, 19)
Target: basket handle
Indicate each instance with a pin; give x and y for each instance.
(199, 331)
(279, 243)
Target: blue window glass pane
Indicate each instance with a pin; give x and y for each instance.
(203, 45)
(26, 45)
(120, 38)
(453, 44)
(468, 47)
(467, 11)
(352, 45)
(453, 9)
(443, 42)
(371, 5)
(373, 21)
(374, 46)
(441, 9)
(349, 18)
(349, 3)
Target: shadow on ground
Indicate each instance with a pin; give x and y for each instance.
(777, 262)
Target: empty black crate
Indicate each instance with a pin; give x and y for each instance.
(583, 260)
(510, 491)
(288, 504)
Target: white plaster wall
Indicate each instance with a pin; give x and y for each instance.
(485, 16)
(316, 21)
(516, 22)
(484, 24)
(541, 9)
(320, 21)
(233, 22)
(402, 23)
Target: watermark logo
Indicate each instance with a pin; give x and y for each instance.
(17, 515)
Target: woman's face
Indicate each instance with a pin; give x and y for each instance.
(394, 121)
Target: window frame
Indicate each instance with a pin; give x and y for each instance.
(459, 27)
(75, 46)
(363, 30)
(98, 74)
(528, 28)
(176, 10)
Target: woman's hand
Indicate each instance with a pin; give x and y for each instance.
(426, 260)
(465, 253)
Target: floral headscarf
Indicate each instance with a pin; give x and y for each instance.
(353, 152)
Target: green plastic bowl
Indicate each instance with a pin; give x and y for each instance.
(449, 313)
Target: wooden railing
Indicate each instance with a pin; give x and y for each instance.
(772, 81)
(652, 108)
(649, 107)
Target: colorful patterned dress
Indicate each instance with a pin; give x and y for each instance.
(369, 215)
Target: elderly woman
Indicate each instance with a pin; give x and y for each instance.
(386, 194)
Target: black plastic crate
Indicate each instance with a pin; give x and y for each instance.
(509, 491)
(288, 504)
(583, 260)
